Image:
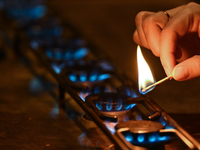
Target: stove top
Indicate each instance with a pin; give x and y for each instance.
(109, 109)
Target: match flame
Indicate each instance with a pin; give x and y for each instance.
(145, 77)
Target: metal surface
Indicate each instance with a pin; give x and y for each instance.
(141, 126)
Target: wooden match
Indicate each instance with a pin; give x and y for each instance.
(156, 83)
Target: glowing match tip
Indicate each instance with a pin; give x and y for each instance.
(156, 83)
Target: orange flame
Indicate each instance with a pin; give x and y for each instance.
(145, 77)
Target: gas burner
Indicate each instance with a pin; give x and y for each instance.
(86, 74)
(110, 106)
(26, 14)
(22, 12)
(117, 107)
(148, 134)
(42, 32)
(68, 59)
(66, 54)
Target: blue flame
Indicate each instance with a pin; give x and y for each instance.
(73, 77)
(141, 138)
(99, 105)
(163, 123)
(169, 127)
(83, 76)
(83, 95)
(152, 138)
(163, 138)
(28, 13)
(80, 53)
(57, 68)
(128, 92)
(129, 137)
(145, 138)
(93, 76)
(134, 94)
(119, 104)
(146, 85)
(111, 126)
(103, 77)
(130, 106)
(37, 12)
(109, 104)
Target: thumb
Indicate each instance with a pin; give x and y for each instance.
(188, 69)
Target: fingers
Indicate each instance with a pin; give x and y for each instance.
(187, 69)
(168, 50)
(136, 38)
(139, 36)
(172, 39)
(149, 26)
(185, 21)
(152, 27)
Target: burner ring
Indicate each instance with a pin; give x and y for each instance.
(108, 106)
(141, 126)
(146, 133)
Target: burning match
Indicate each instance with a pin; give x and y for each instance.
(156, 83)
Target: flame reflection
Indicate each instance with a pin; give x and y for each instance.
(145, 77)
(111, 126)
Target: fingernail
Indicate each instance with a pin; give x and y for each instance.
(180, 73)
(167, 71)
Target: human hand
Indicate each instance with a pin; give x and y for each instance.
(174, 39)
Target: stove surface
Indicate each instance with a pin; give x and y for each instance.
(33, 121)
(32, 117)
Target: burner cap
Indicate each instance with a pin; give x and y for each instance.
(140, 126)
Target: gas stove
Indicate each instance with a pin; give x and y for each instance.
(104, 103)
